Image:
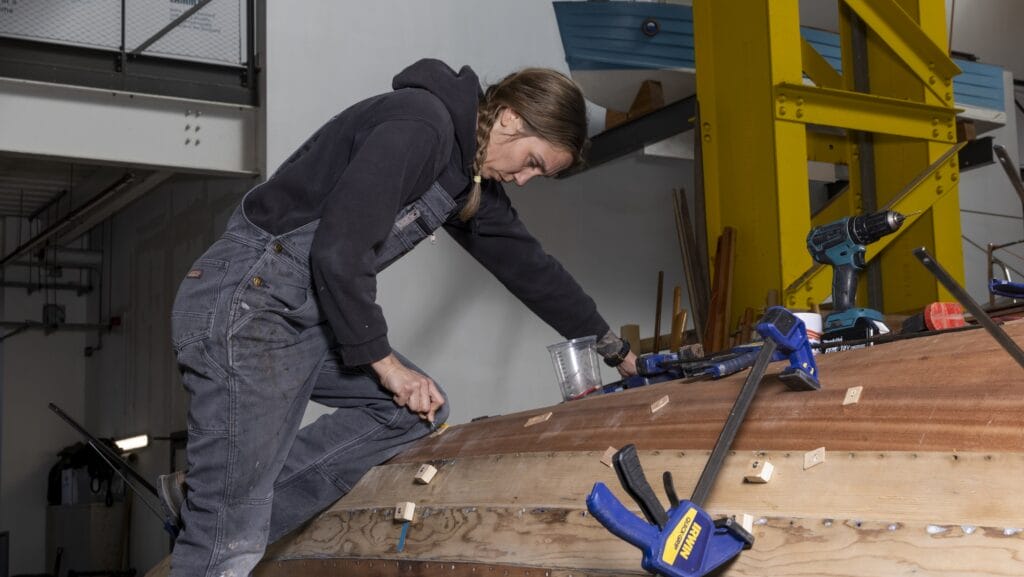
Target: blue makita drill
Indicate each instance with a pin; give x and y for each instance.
(842, 245)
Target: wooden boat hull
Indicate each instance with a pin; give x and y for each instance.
(921, 476)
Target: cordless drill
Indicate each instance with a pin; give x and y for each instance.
(842, 244)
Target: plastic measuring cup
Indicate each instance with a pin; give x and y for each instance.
(577, 367)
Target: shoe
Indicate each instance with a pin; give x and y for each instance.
(172, 495)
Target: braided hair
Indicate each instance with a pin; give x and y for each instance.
(551, 107)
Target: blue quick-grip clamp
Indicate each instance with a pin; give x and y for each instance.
(789, 334)
(690, 545)
(684, 541)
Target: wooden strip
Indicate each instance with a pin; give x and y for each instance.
(659, 404)
(714, 304)
(570, 538)
(957, 391)
(730, 262)
(657, 312)
(696, 285)
(747, 326)
(676, 338)
(404, 568)
(949, 488)
(537, 419)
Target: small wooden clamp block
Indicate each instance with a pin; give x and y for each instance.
(538, 419)
(747, 522)
(814, 458)
(659, 404)
(606, 458)
(404, 511)
(761, 472)
(852, 395)
(425, 474)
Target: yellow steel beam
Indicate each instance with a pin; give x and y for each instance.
(817, 68)
(906, 38)
(906, 285)
(828, 147)
(927, 190)
(855, 110)
(755, 168)
(837, 207)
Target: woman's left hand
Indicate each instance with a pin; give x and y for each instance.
(627, 367)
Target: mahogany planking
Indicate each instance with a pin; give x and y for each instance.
(953, 392)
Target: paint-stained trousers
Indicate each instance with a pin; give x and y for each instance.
(253, 347)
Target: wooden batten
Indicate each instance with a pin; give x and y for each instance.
(953, 392)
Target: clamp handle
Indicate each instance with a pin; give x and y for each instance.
(631, 475)
(622, 522)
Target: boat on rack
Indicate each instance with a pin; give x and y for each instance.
(612, 47)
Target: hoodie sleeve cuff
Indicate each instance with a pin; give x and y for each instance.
(365, 353)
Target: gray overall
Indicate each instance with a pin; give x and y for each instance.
(253, 347)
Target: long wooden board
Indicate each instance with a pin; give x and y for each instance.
(952, 392)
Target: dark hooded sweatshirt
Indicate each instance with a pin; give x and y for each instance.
(364, 165)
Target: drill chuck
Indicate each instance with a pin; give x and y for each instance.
(869, 228)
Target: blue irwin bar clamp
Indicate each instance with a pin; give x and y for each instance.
(684, 541)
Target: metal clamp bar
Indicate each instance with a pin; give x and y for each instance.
(970, 304)
(732, 424)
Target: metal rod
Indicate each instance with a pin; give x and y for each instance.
(71, 219)
(104, 449)
(732, 424)
(32, 287)
(1012, 172)
(970, 304)
(174, 24)
(63, 326)
(149, 504)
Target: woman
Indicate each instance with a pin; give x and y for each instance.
(282, 308)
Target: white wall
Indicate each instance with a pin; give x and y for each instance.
(38, 369)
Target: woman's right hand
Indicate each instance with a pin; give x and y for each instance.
(411, 389)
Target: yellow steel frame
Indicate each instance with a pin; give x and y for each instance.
(755, 157)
